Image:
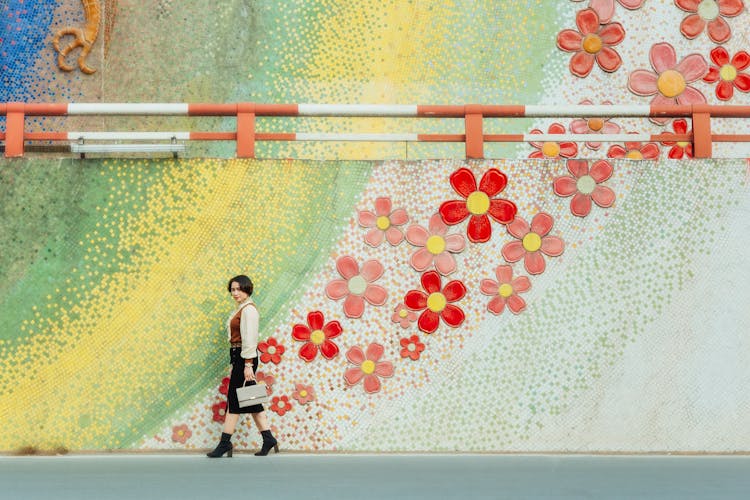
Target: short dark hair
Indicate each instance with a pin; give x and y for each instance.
(246, 284)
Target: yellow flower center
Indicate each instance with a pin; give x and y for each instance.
(506, 290)
(317, 337)
(532, 242)
(586, 184)
(357, 285)
(303, 393)
(478, 203)
(181, 432)
(592, 43)
(671, 83)
(708, 10)
(634, 154)
(436, 244)
(728, 73)
(551, 149)
(436, 302)
(403, 313)
(596, 124)
(368, 367)
(383, 222)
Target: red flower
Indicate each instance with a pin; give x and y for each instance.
(679, 148)
(585, 184)
(268, 380)
(220, 411)
(634, 151)
(533, 241)
(436, 302)
(551, 149)
(593, 42)
(479, 203)
(505, 291)
(280, 404)
(181, 433)
(224, 387)
(729, 72)
(270, 350)
(412, 347)
(317, 337)
(369, 367)
(709, 16)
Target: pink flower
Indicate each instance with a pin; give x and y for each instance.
(403, 316)
(317, 336)
(181, 433)
(552, 149)
(634, 151)
(505, 291)
(728, 73)
(303, 393)
(357, 287)
(710, 15)
(585, 185)
(369, 367)
(593, 42)
(383, 222)
(606, 8)
(411, 347)
(267, 379)
(534, 241)
(596, 125)
(669, 84)
(679, 148)
(436, 302)
(436, 246)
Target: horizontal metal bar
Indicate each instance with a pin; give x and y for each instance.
(127, 148)
(129, 136)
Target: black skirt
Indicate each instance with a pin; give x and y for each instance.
(236, 380)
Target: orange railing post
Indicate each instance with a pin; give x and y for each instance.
(14, 125)
(702, 131)
(474, 131)
(246, 130)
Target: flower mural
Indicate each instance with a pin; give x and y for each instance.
(357, 286)
(728, 72)
(317, 337)
(403, 316)
(479, 204)
(436, 246)
(369, 367)
(708, 15)
(679, 149)
(411, 347)
(634, 150)
(505, 290)
(383, 223)
(181, 433)
(584, 184)
(551, 149)
(669, 82)
(594, 125)
(436, 302)
(303, 394)
(592, 42)
(280, 405)
(271, 351)
(534, 242)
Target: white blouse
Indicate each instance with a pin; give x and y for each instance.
(248, 328)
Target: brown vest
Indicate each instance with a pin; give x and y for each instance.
(234, 326)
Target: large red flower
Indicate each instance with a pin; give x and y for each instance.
(436, 302)
(584, 183)
(728, 72)
(369, 367)
(552, 149)
(679, 149)
(478, 203)
(271, 350)
(533, 241)
(317, 336)
(593, 42)
(709, 16)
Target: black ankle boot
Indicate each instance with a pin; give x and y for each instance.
(268, 442)
(224, 446)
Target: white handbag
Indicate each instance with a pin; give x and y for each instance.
(249, 395)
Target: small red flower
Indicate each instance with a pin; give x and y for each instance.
(411, 347)
(728, 72)
(224, 387)
(679, 149)
(303, 393)
(270, 350)
(585, 184)
(220, 411)
(436, 302)
(317, 336)
(551, 149)
(592, 42)
(181, 433)
(479, 203)
(280, 405)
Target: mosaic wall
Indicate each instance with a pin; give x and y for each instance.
(571, 297)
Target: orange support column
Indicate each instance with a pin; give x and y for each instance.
(701, 131)
(14, 124)
(245, 130)
(474, 131)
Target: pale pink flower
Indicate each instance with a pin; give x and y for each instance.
(606, 8)
(709, 16)
(585, 184)
(357, 286)
(437, 246)
(303, 393)
(403, 316)
(369, 367)
(534, 242)
(595, 125)
(384, 222)
(505, 290)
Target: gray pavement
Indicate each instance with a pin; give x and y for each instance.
(377, 476)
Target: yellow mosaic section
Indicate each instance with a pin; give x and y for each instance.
(110, 353)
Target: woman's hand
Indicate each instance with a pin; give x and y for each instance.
(249, 375)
